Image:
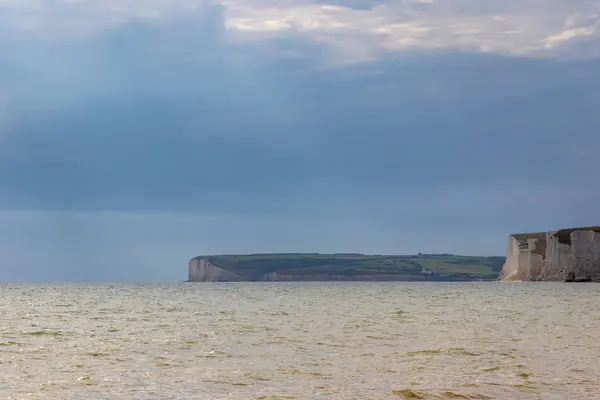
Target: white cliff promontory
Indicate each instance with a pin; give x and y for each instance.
(571, 255)
(523, 257)
(316, 267)
(202, 270)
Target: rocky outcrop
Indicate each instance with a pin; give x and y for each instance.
(568, 255)
(202, 270)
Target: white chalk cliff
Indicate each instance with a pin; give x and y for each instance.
(202, 270)
(571, 255)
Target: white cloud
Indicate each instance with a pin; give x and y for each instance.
(526, 27)
(516, 27)
(569, 34)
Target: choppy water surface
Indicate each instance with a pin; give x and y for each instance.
(300, 341)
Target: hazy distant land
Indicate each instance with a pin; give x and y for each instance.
(343, 267)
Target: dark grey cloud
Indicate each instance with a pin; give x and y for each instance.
(174, 118)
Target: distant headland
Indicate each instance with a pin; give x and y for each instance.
(315, 267)
(566, 255)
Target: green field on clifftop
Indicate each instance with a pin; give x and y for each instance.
(437, 267)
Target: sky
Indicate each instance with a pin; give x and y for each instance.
(137, 134)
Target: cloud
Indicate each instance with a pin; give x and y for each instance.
(500, 27)
(352, 30)
(136, 121)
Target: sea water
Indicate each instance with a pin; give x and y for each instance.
(300, 341)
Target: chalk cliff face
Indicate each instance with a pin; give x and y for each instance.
(557, 259)
(585, 252)
(202, 270)
(571, 255)
(523, 262)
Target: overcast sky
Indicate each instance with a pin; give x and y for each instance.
(136, 134)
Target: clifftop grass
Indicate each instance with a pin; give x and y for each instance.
(410, 267)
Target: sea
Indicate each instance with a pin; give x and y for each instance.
(312, 341)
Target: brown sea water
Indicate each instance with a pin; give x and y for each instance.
(300, 341)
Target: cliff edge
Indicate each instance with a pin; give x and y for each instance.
(567, 255)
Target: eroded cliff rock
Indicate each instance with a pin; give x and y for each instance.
(556, 261)
(571, 255)
(585, 253)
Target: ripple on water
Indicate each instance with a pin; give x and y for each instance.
(435, 352)
(408, 394)
(44, 333)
